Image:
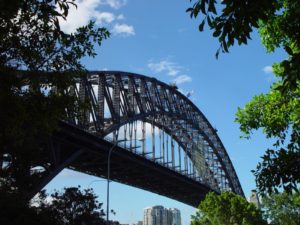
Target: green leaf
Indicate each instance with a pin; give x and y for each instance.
(224, 44)
(217, 53)
(202, 7)
(211, 7)
(201, 26)
(217, 33)
(209, 21)
(288, 50)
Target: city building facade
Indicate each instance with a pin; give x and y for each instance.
(254, 198)
(158, 215)
(174, 217)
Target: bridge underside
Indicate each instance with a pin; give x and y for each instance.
(127, 167)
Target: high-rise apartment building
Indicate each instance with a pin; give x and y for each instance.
(148, 216)
(174, 217)
(254, 199)
(158, 215)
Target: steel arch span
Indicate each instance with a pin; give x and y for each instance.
(162, 142)
(121, 98)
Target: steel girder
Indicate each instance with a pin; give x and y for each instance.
(117, 98)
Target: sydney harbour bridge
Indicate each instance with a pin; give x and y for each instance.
(158, 139)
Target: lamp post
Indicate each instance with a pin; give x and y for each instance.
(108, 178)
(93, 181)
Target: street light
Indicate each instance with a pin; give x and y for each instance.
(93, 181)
(108, 178)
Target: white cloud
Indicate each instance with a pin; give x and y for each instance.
(116, 4)
(123, 30)
(139, 133)
(165, 66)
(87, 10)
(171, 69)
(104, 17)
(268, 69)
(182, 79)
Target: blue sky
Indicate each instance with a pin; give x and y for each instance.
(158, 39)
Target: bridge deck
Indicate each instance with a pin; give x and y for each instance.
(127, 167)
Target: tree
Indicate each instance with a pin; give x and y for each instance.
(282, 209)
(227, 208)
(14, 211)
(33, 102)
(278, 112)
(75, 207)
(72, 206)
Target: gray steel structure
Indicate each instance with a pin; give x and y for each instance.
(124, 101)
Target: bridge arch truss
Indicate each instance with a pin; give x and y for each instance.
(127, 105)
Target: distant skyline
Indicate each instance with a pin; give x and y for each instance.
(159, 39)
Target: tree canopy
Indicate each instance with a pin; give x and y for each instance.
(32, 102)
(227, 208)
(282, 208)
(75, 207)
(72, 206)
(276, 112)
(31, 37)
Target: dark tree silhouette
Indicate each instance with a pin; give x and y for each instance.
(32, 103)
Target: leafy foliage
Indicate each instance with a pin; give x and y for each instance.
(32, 102)
(277, 112)
(282, 209)
(227, 208)
(278, 23)
(76, 207)
(14, 211)
(279, 115)
(279, 169)
(235, 21)
(70, 207)
(31, 37)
